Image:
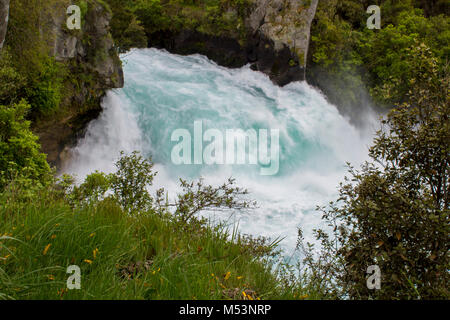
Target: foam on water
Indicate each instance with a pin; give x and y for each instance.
(164, 92)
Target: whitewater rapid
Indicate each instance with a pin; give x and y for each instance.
(164, 92)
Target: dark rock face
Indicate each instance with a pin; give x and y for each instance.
(224, 51)
(4, 14)
(259, 52)
(275, 63)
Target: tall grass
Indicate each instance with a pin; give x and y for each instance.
(145, 256)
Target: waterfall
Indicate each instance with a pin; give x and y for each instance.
(165, 92)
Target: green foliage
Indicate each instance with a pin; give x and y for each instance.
(151, 255)
(394, 212)
(388, 52)
(92, 190)
(12, 83)
(158, 17)
(45, 91)
(198, 196)
(152, 15)
(83, 4)
(127, 31)
(130, 182)
(133, 37)
(355, 57)
(41, 75)
(20, 155)
(32, 73)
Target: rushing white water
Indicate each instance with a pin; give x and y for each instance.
(165, 92)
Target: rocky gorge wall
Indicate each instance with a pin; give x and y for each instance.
(280, 38)
(276, 40)
(90, 53)
(86, 59)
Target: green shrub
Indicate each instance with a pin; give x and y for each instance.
(130, 182)
(394, 212)
(12, 83)
(45, 92)
(356, 58)
(20, 155)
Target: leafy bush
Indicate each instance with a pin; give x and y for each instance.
(20, 155)
(12, 83)
(356, 58)
(45, 92)
(394, 212)
(130, 182)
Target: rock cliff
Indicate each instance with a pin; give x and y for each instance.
(94, 67)
(276, 39)
(280, 37)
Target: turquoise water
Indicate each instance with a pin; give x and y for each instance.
(165, 92)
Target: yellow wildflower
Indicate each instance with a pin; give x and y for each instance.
(88, 261)
(95, 252)
(227, 276)
(53, 236)
(92, 234)
(6, 257)
(46, 249)
(239, 278)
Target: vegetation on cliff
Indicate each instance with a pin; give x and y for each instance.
(394, 211)
(347, 59)
(151, 20)
(59, 64)
(62, 74)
